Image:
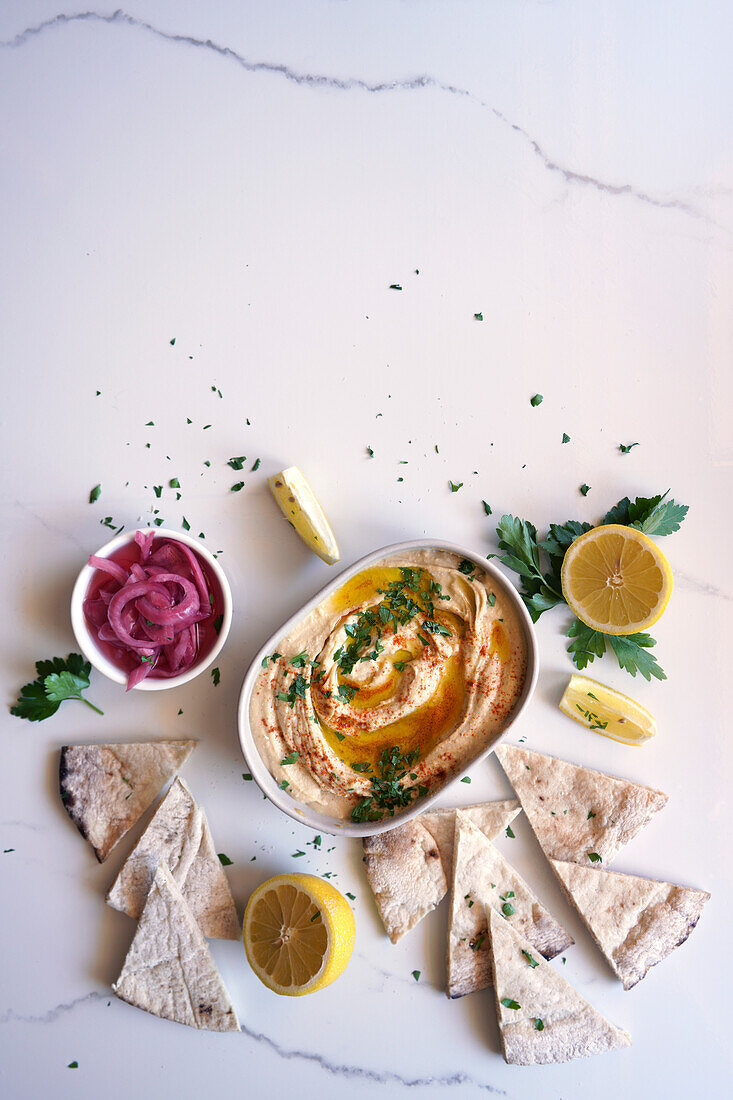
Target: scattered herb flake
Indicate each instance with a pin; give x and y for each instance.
(509, 832)
(247, 777)
(487, 508)
(466, 779)
(256, 465)
(95, 494)
(530, 959)
(594, 857)
(215, 676)
(416, 975)
(478, 316)
(565, 437)
(626, 447)
(455, 486)
(536, 400)
(509, 1003)
(395, 286)
(224, 860)
(237, 487)
(585, 489)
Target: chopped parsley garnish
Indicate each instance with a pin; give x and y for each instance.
(95, 494)
(351, 897)
(256, 465)
(395, 286)
(565, 437)
(491, 599)
(530, 959)
(416, 975)
(273, 657)
(73, 1065)
(626, 447)
(478, 316)
(298, 853)
(215, 676)
(508, 1003)
(466, 779)
(174, 483)
(300, 660)
(455, 486)
(158, 489)
(296, 690)
(283, 784)
(290, 758)
(362, 766)
(538, 1025)
(508, 909)
(185, 524)
(237, 463)
(487, 508)
(346, 692)
(58, 679)
(388, 791)
(509, 833)
(585, 489)
(536, 400)
(237, 487)
(218, 623)
(247, 777)
(316, 915)
(224, 860)
(594, 857)
(467, 568)
(370, 452)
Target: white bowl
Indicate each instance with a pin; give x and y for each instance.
(303, 813)
(85, 638)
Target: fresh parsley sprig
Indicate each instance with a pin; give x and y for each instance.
(58, 679)
(541, 587)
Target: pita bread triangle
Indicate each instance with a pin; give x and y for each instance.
(483, 879)
(574, 811)
(106, 788)
(179, 835)
(542, 1019)
(409, 868)
(636, 922)
(169, 970)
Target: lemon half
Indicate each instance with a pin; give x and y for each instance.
(608, 712)
(299, 505)
(616, 579)
(298, 933)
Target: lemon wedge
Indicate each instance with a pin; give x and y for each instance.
(608, 712)
(298, 933)
(616, 579)
(299, 505)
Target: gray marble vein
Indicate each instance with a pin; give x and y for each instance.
(11, 1016)
(336, 1069)
(346, 84)
(382, 1077)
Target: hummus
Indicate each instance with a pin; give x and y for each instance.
(390, 686)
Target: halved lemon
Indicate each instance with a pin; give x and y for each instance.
(608, 712)
(299, 505)
(298, 934)
(616, 579)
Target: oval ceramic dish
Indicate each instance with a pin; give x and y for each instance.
(85, 638)
(299, 811)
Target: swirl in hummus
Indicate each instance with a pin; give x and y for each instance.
(390, 686)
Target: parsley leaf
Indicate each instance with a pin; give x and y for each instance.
(290, 758)
(632, 654)
(518, 540)
(530, 959)
(536, 400)
(455, 486)
(626, 447)
(58, 679)
(509, 1003)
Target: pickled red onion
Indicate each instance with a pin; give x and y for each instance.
(150, 610)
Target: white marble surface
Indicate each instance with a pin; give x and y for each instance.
(249, 179)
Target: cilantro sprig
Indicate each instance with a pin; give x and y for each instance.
(58, 679)
(539, 563)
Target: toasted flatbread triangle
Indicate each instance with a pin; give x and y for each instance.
(179, 834)
(409, 868)
(105, 788)
(169, 970)
(635, 921)
(575, 811)
(482, 878)
(570, 1027)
